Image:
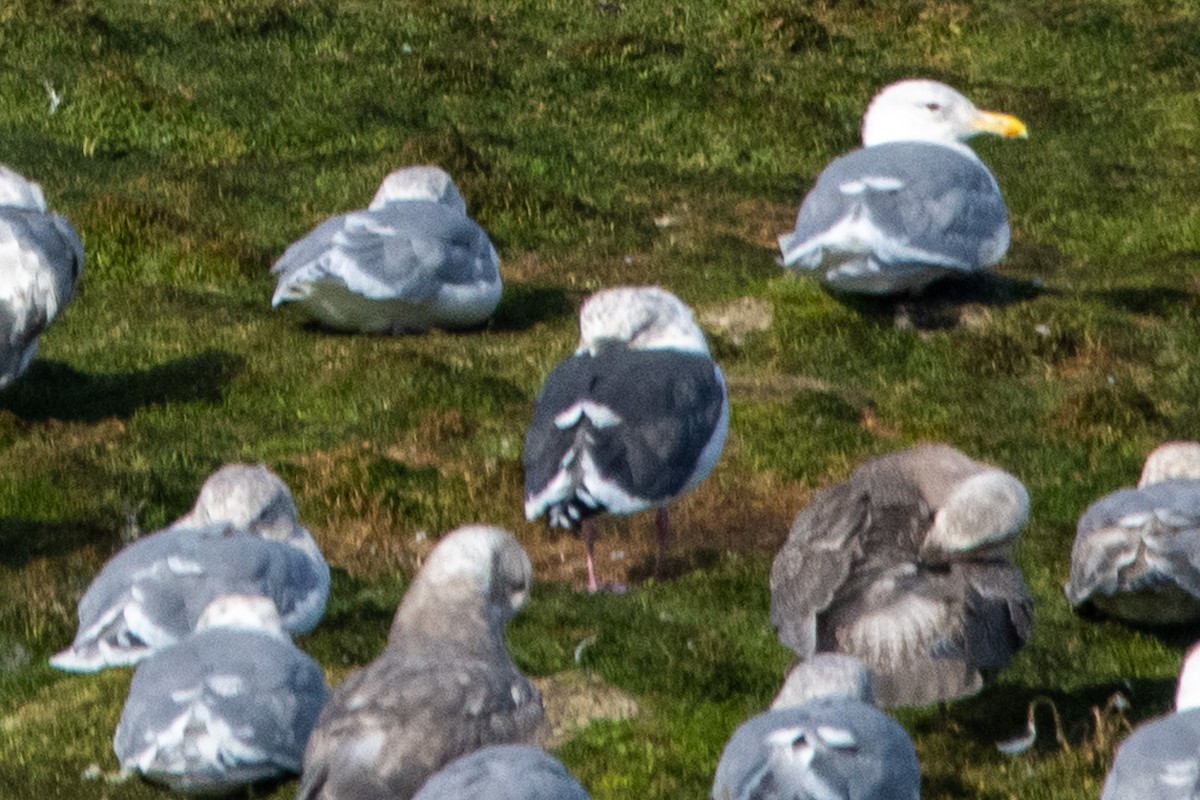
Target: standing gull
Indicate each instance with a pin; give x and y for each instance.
(1160, 760)
(635, 418)
(241, 537)
(231, 704)
(504, 772)
(443, 686)
(907, 565)
(832, 745)
(1136, 555)
(914, 204)
(412, 260)
(41, 258)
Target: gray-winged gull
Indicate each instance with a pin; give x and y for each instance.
(241, 537)
(1160, 759)
(1136, 555)
(635, 418)
(412, 260)
(41, 258)
(503, 772)
(443, 686)
(831, 745)
(907, 565)
(230, 704)
(914, 204)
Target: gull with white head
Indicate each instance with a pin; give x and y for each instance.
(914, 204)
(242, 536)
(1136, 555)
(41, 258)
(444, 685)
(822, 739)
(504, 772)
(634, 419)
(228, 705)
(1161, 758)
(908, 566)
(411, 261)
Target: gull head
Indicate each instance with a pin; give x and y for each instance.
(643, 317)
(247, 497)
(419, 183)
(928, 111)
(1171, 461)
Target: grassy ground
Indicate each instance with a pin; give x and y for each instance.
(599, 142)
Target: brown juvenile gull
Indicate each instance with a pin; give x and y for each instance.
(907, 565)
(228, 705)
(443, 686)
(41, 258)
(634, 419)
(1160, 759)
(241, 537)
(411, 261)
(1136, 555)
(831, 745)
(503, 772)
(914, 204)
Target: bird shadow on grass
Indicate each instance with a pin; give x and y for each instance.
(941, 306)
(23, 540)
(54, 390)
(523, 306)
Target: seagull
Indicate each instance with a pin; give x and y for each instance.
(41, 258)
(907, 565)
(444, 685)
(412, 260)
(831, 745)
(914, 204)
(503, 772)
(634, 419)
(1161, 758)
(228, 705)
(241, 537)
(1136, 555)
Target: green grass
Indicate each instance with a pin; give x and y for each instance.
(599, 143)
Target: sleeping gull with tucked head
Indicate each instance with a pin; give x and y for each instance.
(41, 258)
(411, 261)
(1161, 758)
(241, 537)
(631, 421)
(443, 686)
(1136, 555)
(228, 705)
(914, 204)
(832, 744)
(504, 772)
(907, 565)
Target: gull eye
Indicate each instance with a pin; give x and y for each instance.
(799, 741)
(934, 107)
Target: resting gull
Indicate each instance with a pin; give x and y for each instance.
(412, 260)
(41, 258)
(1161, 758)
(503, 772)
(1136, 555)
(228, 705)
(241, 537)
(444, 685)
(831, 745)
(907, 565)
(635, 418)
(912, 205)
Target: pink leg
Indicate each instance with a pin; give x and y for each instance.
(662, 525)
(589, 542)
